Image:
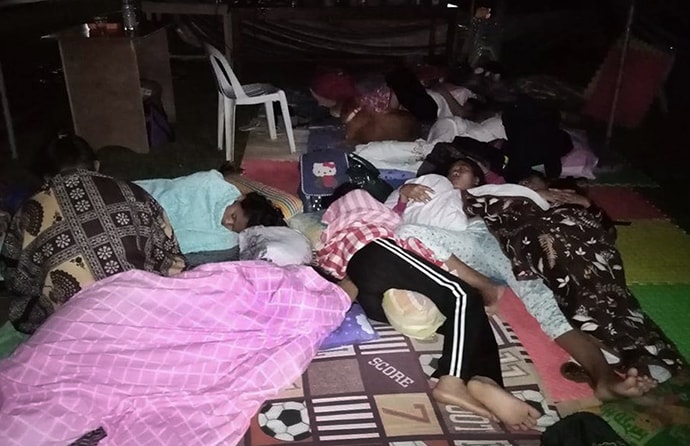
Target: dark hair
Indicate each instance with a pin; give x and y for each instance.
(260, 211)
(64, 152)
(338, 192)
(534, 174)
(476, 169)
(325, 274)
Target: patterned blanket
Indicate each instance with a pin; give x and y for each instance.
(167, 361)
(379, 393)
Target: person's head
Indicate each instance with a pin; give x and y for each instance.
(250, 210)
(465, 174)
(535, 181)
(333, 87)
(67, 151)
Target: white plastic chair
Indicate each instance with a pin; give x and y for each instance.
(231, 93)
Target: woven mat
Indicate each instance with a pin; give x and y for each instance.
(546, 355)
(379, 393)
(654, 251)
(623, 203)
(669, 307)
(260, 146)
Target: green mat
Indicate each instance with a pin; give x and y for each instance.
(624, 175)
(661, 418)
(669, 307)
(9, 339)
(654, 251)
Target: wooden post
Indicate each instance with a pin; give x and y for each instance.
(619, 78)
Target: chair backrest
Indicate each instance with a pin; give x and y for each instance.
(227, 81)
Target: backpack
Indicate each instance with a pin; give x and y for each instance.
(157, 126)
(322, 171)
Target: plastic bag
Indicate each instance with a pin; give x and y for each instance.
(411, 313)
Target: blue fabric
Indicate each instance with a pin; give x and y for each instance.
(355, 329)
(195, 205)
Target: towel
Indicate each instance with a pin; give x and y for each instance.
(195, 205)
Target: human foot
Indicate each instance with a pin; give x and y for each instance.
(512, 411)
(452, 390)
(630, 385)
(491, 296)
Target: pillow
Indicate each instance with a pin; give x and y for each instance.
(412, 314)
(355, 329)
(309, 224)
(277, 244)
(288, 203)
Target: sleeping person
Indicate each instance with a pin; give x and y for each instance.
(359, 247)
(207, 213)
(477, 247)
(81, 227)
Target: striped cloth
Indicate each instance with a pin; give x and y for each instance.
(353, 221)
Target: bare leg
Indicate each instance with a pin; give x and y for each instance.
(510, 410)
(452, 390)
(607, 384)
(349, 287)
(491, 292)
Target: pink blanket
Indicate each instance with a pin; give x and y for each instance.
(184, 360)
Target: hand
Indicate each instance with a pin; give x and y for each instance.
(564, 196)
(416, 192)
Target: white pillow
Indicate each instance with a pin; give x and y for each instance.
(277, 244)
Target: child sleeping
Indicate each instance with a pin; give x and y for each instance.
(207, 213)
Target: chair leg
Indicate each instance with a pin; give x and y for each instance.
(271, 118)
(221, 119)
(229, 115)
(288, 122)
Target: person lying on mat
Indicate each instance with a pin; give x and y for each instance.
(431, 209)
(81, 227)
(573, 251)
(333, 88)
(207, 212)
(359, 245)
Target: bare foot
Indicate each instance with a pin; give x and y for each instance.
(452, 390)
(491, 296)
(510, 410)
(629, 385)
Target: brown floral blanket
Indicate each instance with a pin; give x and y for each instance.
(573, 251)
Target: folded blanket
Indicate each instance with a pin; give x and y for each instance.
(195, 206)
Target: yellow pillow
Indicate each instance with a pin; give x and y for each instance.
(288, 203)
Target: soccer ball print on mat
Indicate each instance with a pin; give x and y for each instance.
(286, 421)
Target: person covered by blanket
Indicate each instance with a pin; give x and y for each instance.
(80, 227)
(208, 212)
(425, 204)
(590, 285)
(359, 249)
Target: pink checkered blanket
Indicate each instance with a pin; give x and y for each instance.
(186, 360)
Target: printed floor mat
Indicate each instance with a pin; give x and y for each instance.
(379, 393)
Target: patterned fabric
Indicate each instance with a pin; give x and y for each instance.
(353, 221)
(288, 203)
(480, 250)
(80, 228)
(183, 360)
(570, 248)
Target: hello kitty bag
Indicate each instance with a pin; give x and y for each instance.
(321, 172)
